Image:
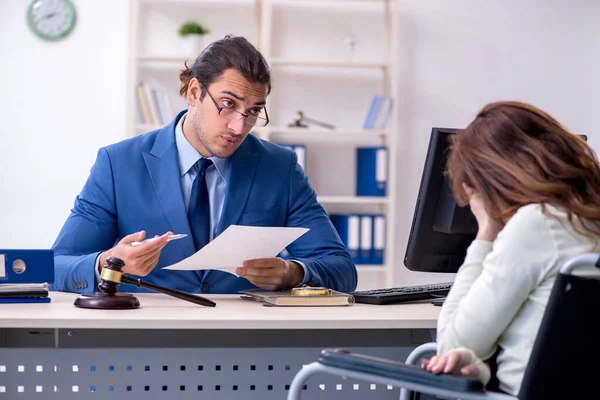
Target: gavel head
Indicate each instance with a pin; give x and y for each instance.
(111, 274)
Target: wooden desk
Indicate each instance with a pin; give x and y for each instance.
(172, 349)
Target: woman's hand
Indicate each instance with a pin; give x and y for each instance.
(488, 227)
(451, 363)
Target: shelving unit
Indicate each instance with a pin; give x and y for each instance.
(353, 200)
(340, 64)
(313, 71)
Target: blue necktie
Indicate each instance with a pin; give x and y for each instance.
(199, 208)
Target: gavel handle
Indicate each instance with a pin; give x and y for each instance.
(203, 301)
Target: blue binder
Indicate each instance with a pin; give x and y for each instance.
(5, 300)
(348, 227)
(366, 239)
(371, 171)
(26, 266)
(379, 237)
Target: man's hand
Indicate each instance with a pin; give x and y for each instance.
(272, 273)
(451, 363)
(139, 260)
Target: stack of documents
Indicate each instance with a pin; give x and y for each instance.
(24, 293)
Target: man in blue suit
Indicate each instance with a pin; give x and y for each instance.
(198, 175)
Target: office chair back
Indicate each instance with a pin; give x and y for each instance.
(565, 358)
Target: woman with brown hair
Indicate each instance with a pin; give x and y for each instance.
(534, 188)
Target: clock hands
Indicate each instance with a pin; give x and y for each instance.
(50, 15)
(53, 11)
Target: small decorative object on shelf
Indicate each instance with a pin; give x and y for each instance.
(193, 33)
(299, 119)
(351, 42)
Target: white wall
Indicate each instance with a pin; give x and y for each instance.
(61, 101)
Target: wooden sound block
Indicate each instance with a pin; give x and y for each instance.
(104, 301)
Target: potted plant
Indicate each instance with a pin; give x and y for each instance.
(192, 33)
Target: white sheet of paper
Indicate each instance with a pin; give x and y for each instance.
(238, 244)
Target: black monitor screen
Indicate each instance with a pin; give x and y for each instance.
(441, 231)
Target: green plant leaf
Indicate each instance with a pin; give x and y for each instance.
(192, 28)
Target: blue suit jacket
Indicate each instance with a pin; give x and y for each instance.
(135, 185)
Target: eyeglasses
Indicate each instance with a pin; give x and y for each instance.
(230, 114)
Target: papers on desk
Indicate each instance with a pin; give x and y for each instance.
(10, 288)
(240, 243)
(24, 293)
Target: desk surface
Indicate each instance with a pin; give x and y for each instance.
(158, 311)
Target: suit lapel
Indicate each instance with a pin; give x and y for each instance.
(163, 167)
(241, 177)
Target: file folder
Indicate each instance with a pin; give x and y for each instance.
(26, 266)
(378, 239)
(348, 227)
(5, 300)
(366, 239)
(371, 171)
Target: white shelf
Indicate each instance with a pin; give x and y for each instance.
(327, 64)
(278, 2)
(371, 268)
(141, 128)
(353, 200)
(177, 62)
(277, 130)
(157, 62)
(161, 59)
(283, 130)
(204, 2)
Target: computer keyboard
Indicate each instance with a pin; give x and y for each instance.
(402, 294)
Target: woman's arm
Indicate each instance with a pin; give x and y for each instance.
(494, 282)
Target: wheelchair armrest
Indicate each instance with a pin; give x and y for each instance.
(344, 359)
(414, 358)
(421, 351)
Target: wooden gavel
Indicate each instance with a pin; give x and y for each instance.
(111, 277)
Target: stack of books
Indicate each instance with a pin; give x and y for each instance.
(153, 105)
(24, 293)
(286, 298)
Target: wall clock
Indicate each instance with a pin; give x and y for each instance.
(51, 19)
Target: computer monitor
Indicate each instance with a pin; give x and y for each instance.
(441, 231)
